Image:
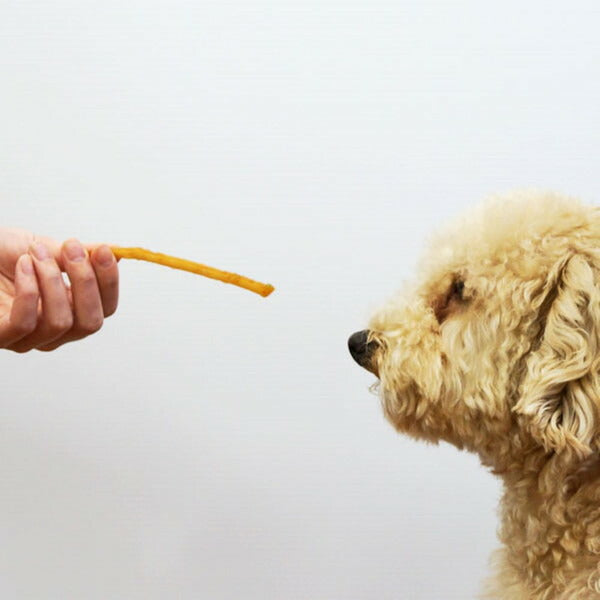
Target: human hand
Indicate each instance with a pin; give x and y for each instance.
(37, 308)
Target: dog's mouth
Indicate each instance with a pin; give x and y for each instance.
(362, 347)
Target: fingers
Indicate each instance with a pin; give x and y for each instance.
(91, 248)
(22, 319)
(87, 304)
(107, 275)
(70, 313)
(56, 317)
(87, 301)
(53, 246)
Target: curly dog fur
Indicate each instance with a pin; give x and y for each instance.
(495, 347)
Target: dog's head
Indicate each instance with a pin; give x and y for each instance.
(495, 346)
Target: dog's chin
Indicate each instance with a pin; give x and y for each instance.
(415, 429)
(410, 414)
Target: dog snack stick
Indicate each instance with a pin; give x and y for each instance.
(264, 289)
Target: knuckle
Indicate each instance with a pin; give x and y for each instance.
(111, 285)
(30, 296)
(55, 279)
(87, 280)
(20, 350)
(23, 327)
(91, 326)
(60, 323)
(27, 326)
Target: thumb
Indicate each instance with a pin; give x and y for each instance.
(91, 247)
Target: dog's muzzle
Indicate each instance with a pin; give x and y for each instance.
(362, 350)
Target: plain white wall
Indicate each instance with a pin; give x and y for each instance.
(208, 443)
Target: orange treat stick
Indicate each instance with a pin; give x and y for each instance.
(264, 289)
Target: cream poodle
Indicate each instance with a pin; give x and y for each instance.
(495, 348)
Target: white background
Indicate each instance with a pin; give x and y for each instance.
(209, 443)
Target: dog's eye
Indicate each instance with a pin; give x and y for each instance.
(458, 287)
(442, 305)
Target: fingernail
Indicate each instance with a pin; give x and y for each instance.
(74, 251)
(26, 265)
(104, 256)
(40, 251)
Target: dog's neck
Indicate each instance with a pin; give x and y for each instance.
(550, 528)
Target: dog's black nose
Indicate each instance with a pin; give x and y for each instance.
(362, 349)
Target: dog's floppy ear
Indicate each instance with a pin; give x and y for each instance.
(559, 397)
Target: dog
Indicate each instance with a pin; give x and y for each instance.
(494, 347)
